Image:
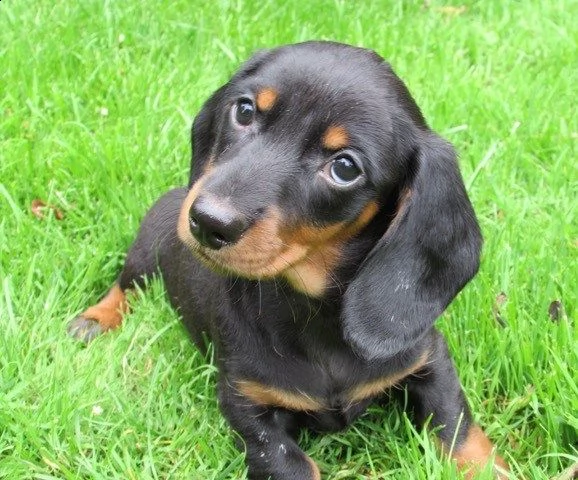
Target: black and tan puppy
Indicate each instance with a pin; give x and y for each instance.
(324, 229)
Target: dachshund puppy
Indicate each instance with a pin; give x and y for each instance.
(323, 230)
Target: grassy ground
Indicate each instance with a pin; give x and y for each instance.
(96, 98)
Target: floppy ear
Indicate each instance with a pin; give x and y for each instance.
(429, 252)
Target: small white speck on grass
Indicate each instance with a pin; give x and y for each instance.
(97, 410)
(515, 127)
(103, 112)
(121, 38)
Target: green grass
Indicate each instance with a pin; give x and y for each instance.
(96, 100)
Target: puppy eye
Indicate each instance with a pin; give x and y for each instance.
(244, 112)
(343, 170)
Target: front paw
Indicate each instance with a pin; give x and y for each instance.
(84, 329)
(105, 315)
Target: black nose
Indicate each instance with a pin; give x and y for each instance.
(215, 225)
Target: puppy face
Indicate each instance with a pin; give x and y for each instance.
(294, 157)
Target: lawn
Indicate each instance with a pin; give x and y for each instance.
(96, 101)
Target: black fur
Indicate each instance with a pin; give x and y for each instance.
(393, 279)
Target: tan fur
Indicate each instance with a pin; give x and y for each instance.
(276, 397)
(476, 451)
(110, 310)
(313, 275)
(314, 470)
(183, 229)
(266, 99)
(305, 255)
(375, 387)
(335, 138)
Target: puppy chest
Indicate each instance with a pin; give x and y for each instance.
(332, 389)
(297, 385)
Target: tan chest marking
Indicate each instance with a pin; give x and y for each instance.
(276, 397)
(378, 386)
(271, 396)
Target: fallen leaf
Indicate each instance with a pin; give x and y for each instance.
(39, 208)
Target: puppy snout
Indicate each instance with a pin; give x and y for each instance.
(215, 225)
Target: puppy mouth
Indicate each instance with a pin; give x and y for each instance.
(228, 261)
(251, 259)
(204, 256)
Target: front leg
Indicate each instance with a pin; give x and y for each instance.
(268, 436)
(435, 392)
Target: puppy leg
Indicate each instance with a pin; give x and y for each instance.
(105, 315)
(268, 436)
(435, 391)
(157, 237)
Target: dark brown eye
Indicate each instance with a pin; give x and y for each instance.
(244, 112)
(344, 170)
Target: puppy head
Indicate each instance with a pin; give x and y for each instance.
(290, 160)
(300, 152)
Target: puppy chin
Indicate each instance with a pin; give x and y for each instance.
(225, 267)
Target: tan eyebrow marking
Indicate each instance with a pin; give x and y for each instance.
(335, 138)
(266, 98)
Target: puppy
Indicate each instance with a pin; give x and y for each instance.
(323, 230)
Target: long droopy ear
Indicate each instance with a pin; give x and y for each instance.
(428, 253)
